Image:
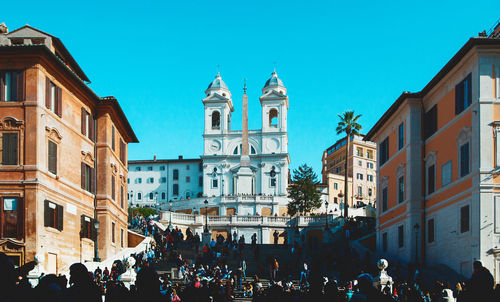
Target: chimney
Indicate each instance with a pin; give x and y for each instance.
(4, 29)
(180, 156)
(154, 157)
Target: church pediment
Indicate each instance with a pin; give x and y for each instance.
(235, 169)
(273, 94)
(215, 97)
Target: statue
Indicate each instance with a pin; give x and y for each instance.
(34, 275)
(383, 279)
(128, 278)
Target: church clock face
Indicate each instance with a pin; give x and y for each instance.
(214, 146)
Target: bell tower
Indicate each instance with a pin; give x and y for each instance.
(274, 103)
(218, 107)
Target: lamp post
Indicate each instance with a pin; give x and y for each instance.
(157, 204)
(415, 228)
(206, 217)
(341, 197)
(170, 219)
(326, 215)
(96, 247)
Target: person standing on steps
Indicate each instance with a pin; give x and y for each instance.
(276, 235)
(244, 269)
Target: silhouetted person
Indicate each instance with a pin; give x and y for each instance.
(147, 285)
(8, 291)
(82, 288)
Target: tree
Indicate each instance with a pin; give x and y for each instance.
(349, 125)
(303, 192)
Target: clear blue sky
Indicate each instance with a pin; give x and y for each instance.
(157, 58)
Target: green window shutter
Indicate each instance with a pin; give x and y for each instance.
(9, 148)
(20, 86)
(83, 174)
(60, 219)
(58, 109)
(2, 86)
(47, 93)
(46, 213)
(52, 157)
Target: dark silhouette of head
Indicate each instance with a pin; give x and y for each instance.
(79, 275)
(147, 283)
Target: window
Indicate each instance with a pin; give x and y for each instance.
(139, 196)
(463, 94)
(401, 236)
(12, 86)
(273, 118)
(53, 97)
(401, 189)
(162, 168)
(369, 154)
(431, 179)
(113, 232)
(384, 151)
(150, 168)
(128, 180)
(52, 157)
(9, 148)
(430, 122)
(88, 178)
(360, 163)
(113, 145)
(123, 152)
(151, 196)
(369, 165)
(446, 173)
(384, 199)
(187, 167)
(188, 195)
(369, 177)
(113, 189)
(273, 182)
(87, 227)
(360, 191)
(122, 203)
(215, 183)
(163, 196)
(150, 180)
(370, 192)
(163, 180)
(359, 176)
(464, 219)
(11, 220)
(138, 168)
(200, 167)
(464, 159)
(175, 174)
(175, 189)
(138, 180)
(430, 230)
(200, 181)
(384, 242)
(401, 136)
(53, 215)
(216, 120)
(335, 186)
(188, 179)
(359, 152)
(87, 125)
(121, 237)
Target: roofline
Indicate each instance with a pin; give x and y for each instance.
(63, 49)
(341, 140)
(472, 42)
(162, 161)
(110, 100)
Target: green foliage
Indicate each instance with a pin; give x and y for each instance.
(303, 191)
(348, 124)
(145, 212)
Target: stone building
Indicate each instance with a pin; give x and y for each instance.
(63, 151)
(155, 182)
(362, 171)
(439, 157)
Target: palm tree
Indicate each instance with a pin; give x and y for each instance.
(349, 125)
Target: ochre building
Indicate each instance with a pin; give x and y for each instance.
(63, 156)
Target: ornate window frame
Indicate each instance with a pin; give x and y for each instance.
(10, 124)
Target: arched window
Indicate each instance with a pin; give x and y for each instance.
(139, 196)
(235, 150)
(216, 120)
(273, 118)
(163, 195)
(252, 150)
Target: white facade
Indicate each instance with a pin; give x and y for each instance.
(155, 182)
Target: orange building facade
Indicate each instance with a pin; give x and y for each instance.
(438, 190)
(63, 156)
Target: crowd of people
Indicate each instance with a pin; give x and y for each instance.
(218, 272)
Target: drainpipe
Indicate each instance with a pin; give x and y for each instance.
(96, 246)
(423, 222)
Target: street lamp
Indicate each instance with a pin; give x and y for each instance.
(326, 215)
(206, 217)
(96, 248)
(131, 198)
(170, 219)
(157, 204)
(416, 227)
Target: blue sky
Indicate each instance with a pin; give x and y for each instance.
(157, 58)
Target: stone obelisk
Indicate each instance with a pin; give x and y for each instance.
(244, 184)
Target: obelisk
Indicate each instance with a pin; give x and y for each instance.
(244, 183)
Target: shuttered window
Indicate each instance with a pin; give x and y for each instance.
(401, 189)
(52, 158)
(121, 237)
(113, 190)
(11, 217)
(53, 214)
(401, 236)
(88, 178)
(113, 232)
(430, 122)
(53, 97)
(430, 230)
(12, 85)
(384, 151)
(87, 124)
(175, 189)
(384, 199)
(463, 94)
(121, 197)
(464, 159)
(9, 148)
(123, 152)
(113, 138)
(87, 227)
(431, 179)
(464, 219)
